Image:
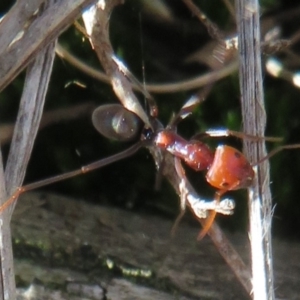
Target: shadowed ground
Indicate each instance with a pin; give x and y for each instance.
(66, 249)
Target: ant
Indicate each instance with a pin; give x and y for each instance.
(227, 168)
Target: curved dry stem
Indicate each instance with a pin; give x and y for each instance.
(175, 87)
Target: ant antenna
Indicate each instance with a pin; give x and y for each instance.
(148, 98)
(93, 166)
(275, 151)
(190, 105)
(142, 52)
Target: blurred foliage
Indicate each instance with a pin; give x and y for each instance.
(160, 45)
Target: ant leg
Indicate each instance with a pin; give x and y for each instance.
(159, 174)
(275, 151)
(93, 166)
(200, 207)
(240, 135)
(189, 106)
(183, 194)
(176, 222)
(210, 219)
(12, 199)
(212, 28)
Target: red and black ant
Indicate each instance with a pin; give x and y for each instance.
(227, 168)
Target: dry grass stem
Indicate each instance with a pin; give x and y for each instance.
(254, 120)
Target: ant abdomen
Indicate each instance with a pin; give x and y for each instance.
(116, 122)
(230, 169)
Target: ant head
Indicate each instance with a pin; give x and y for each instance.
(149, 134)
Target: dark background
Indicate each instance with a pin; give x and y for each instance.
(161, 47)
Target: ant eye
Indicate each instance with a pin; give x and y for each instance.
(225, 184)
(115, 122)
(147, 134)
(237, 155)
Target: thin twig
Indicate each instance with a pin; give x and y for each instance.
(173, 87)
(254, 119)
(98, 20)
(51, 117)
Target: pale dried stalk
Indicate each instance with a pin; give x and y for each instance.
(29, 116)
(23, 11)
(5, 238)
(27, 125)
(254, 119)
(31, 107)
(98, 28)
(35, 32)
(99, 36)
